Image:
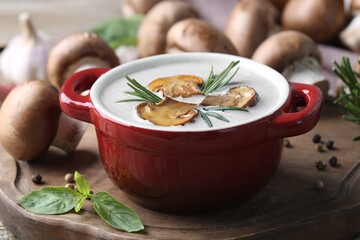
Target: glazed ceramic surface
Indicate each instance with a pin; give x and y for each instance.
(185, 169)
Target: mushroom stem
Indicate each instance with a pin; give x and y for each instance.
(90, 62)
(350, 36)
(307, 71)
(69, 133)
(70, 130)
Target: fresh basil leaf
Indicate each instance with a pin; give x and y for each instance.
(119, 31)
(79, 203)
(50, 200)
(82, 184)
(115, 213)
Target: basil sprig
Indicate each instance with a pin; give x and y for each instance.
(59, 200)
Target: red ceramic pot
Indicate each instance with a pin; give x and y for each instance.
(191, 170)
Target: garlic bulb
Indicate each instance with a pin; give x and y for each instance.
(25, 56)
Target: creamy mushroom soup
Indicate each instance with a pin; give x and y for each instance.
(125, 112)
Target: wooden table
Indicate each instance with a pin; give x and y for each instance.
(289, 207)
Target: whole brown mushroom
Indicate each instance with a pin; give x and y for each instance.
(295, 55)
(321, 19)
(29, 119)
(249, 23)
(76, 52)
(151, 38)
(196, 35)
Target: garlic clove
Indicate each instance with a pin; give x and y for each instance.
(25, 56)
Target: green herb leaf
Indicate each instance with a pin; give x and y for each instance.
(205, 118)
(217, 116)
(79, 203)
(225, 108)
(349, 98)
(119, 31)
(215, 82)
(116, 213)
(82, 184)
(130, 100)
(58, 200)
(50, 200)
(141, 92)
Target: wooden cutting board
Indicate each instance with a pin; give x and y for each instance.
(289, 207)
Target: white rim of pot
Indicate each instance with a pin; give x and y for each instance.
(114, 74)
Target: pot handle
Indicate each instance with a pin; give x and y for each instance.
(288, 124)
(72, 102)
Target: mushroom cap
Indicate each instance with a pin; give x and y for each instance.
(355, 6)
(179, 85)
(284, 48)
(196, 35)
(240, 96)
(249, 23)
(29, 119)
(137, 7)
(151, 38)
(168, 112)
(74, 48)
(320, 19)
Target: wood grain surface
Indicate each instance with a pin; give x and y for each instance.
(289, 207)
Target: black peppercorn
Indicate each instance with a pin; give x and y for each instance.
(36, 178)
(287, 143)
(333, 161)
(330, 144)
(320, 165)
(316, 138)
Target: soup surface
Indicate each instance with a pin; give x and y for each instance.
(125, 112)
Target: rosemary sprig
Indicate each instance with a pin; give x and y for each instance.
(215, 82)
(140, 91)
(349, 96)
(217, 116)
(225, 108)
(205, 118)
